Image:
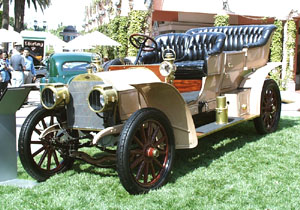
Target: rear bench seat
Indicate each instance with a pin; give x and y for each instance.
(254, 39)
(192, 52)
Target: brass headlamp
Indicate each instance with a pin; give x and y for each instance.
(55, 95)
(167, 68)
(102, 98)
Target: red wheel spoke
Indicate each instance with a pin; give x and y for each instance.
(44, 124)
(161, 140)
(51, 119)
(158, 163)
(161, 152)
(149, 131)
(42, 158)
(36, 142)
(49, 160)
(146, 171)
(55, 158)
(142, 132)
(155, 134)
(138, 142)
(136, 162)
(139, 173)
(38, 151)
(152, 170)
(37, 131)
(136, 151)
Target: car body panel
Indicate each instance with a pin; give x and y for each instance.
(255, 81)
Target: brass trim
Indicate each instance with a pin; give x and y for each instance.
(87, 77)
(110, 97)
(61, 94)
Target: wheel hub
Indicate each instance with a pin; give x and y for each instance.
(152, 152)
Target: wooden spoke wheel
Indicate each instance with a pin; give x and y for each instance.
(145, 151)
(270, 108)
(41, 152)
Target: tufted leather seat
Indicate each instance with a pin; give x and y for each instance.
(239, 37)
(191, 51)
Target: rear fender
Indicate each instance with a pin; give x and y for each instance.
(167, 99)
(255, 82)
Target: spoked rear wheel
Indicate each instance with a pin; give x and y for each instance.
(270, 108)
(41, 153)
(145, 151)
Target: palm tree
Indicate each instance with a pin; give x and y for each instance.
(20, 9)
(5, 14)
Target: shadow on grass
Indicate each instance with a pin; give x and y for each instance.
(110, 169)
(208, 150)
(103, 172)
(215, 146)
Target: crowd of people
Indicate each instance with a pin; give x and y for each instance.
(16, 70)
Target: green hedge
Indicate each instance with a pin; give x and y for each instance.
(119, 29)
(277, 51)
(221, 20)
(138, 24)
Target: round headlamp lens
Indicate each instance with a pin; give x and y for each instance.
(48, 98)
(96, 100)
(165, 69)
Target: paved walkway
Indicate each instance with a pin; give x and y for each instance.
(292, 107)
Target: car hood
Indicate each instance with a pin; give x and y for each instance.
(122, 79)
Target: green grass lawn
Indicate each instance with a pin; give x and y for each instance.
(233, 169)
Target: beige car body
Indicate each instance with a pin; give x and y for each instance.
(232, 74)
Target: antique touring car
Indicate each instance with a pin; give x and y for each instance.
(181, 87)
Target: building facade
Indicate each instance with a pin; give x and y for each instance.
(169, 16)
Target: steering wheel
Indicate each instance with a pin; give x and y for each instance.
(139, 42)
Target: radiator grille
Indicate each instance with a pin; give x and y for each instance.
(78, 112)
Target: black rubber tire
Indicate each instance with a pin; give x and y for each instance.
(129, 151)
(116, 61)
(270, 108)
(27, 156)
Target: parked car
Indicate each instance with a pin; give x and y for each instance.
(182, 87)
(62, 67)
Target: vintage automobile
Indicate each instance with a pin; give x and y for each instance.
(61, 67)
(181, 87)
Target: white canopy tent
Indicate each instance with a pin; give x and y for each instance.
(88, 41)
(10, 36)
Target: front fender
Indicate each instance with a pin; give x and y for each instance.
(255, 82)
(166, 98)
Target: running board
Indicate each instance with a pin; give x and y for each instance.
(213, 127)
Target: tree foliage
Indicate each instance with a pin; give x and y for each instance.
(276, 51)
(19, 10)
(138, 24)
(221, 20)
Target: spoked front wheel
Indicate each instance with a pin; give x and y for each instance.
(41, 148)
(145, 151)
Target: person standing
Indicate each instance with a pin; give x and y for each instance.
(5, 72)
(29, 73)
(17, 63)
